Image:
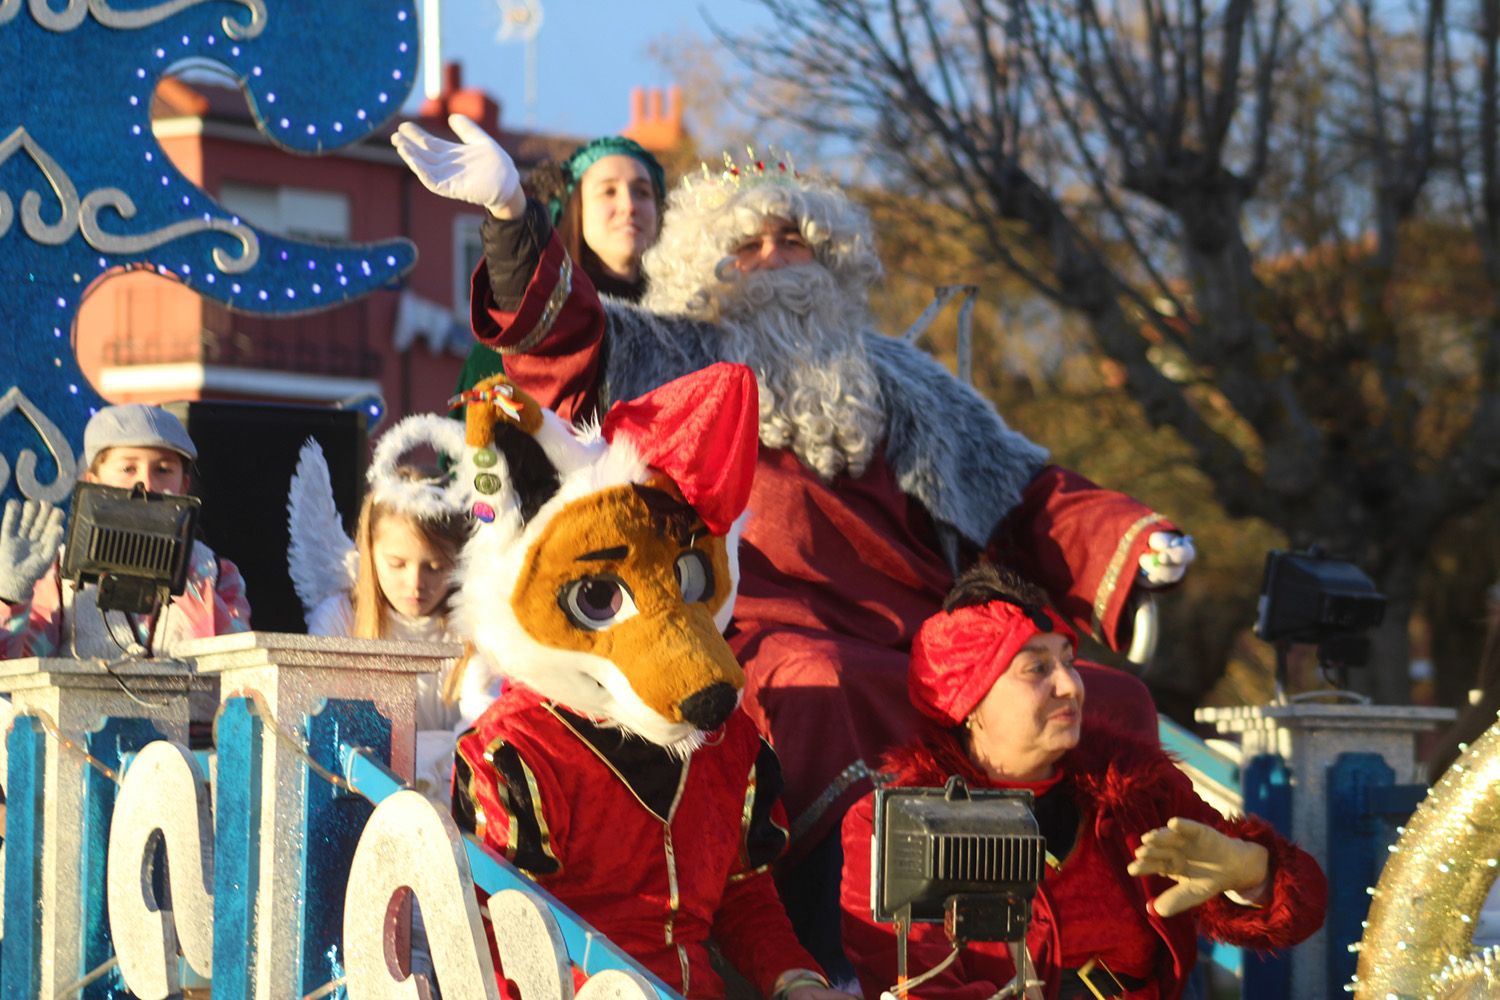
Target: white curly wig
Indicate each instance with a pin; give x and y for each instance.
(708, 217)
(800, 328)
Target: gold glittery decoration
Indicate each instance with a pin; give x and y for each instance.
(1474, 978)
(1419, 938)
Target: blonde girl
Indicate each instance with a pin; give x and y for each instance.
(404, 580)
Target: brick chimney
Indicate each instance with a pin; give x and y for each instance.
(657, 131)
(458, 99)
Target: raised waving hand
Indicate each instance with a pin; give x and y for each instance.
(475, 169)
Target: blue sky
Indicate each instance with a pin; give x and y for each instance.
(589, 54)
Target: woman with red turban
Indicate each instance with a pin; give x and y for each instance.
(1137, 864)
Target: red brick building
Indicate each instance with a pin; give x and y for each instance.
(144, 337)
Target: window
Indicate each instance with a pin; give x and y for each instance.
(299, 213)
(468, 251)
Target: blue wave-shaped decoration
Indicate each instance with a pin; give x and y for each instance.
(85, 189)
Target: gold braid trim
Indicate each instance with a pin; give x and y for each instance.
(550, 311)
(746, 814)
(502, 795)
(740, 876)
(536, 807)
(1111, 579)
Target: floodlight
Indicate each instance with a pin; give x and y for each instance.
(970, 860)
(136, 545)
(1308, 597)
(935, 843)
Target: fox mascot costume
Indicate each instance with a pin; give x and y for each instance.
(616, 767)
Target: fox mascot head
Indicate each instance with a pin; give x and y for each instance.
(601, 571)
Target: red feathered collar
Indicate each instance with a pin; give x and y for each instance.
(1109, 767)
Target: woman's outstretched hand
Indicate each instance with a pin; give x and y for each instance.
(475, 169)
(1202, 861)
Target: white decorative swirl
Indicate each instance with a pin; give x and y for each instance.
(71, 16)
(57, 446)
(83, 215)
(163, 804)
(133, 20)
(410, 844)
(32, 224)
(66, 19)
(121, 203)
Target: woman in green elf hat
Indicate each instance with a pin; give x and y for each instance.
(605, 201)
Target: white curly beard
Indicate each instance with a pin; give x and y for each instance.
(802, 334)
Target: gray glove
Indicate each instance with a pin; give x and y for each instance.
(30, 535)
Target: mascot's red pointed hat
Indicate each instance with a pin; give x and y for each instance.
(701, 430)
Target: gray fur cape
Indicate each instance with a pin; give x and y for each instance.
(945, 443)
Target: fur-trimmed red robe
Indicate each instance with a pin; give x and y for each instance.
(1087, 907)
(836, 577)
(654, 852)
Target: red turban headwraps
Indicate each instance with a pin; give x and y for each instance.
(958, 655)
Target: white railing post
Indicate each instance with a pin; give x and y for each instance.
(284, 685)
(70, 710)
(1310, 737)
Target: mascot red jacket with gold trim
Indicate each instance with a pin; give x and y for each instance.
(617, 768)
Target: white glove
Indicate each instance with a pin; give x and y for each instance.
(475, 170)
(30, 535)
(1168, 560)
(1202, 861)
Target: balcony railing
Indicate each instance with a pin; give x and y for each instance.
(336, 342)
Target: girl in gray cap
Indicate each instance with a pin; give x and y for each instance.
(46, 616)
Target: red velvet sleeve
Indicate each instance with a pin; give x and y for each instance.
(751, 925)
(871, 946)
(1081, 543)
(1295, 903)
(752, 929)
(552, 341)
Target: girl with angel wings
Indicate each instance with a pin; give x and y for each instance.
(393, 580)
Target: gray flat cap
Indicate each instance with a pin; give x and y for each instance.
(135, 425)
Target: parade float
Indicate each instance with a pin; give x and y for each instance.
(282, 862)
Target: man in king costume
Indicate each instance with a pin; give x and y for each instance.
(880, 474)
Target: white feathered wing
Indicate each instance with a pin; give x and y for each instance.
(321, 560)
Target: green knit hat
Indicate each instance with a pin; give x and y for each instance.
(590, 153)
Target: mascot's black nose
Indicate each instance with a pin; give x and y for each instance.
(707, 709)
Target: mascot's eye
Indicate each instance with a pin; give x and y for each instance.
(695, 576)
(597, 602)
